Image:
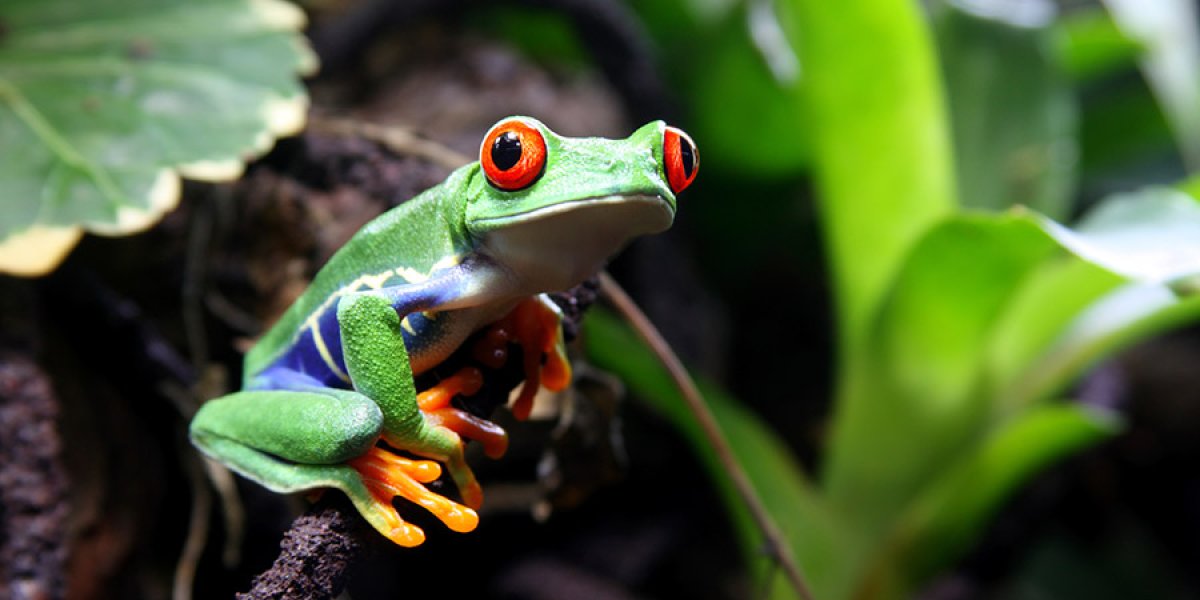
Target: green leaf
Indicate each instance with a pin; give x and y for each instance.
(951, 512)
(1121, 318)
(914, 403)
(103, 104)
(1048, 300)
(882, 147)
(806, 521)
(1013, 111)
(939, 373)
(1151, 236)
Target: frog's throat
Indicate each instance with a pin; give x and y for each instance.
(558, 246)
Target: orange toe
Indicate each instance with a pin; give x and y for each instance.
(388, 476)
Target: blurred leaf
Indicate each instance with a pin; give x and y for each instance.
(883, 157)
(937, 375)
(103, 104)
(1053, 295)
(1127, 315)
(952, 511)
(1170, 32)
(1152, 235)
(914, 403)
(1012, 109)
(1090, 45)
(805, 520)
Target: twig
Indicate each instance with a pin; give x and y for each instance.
(193, 545)
(315, 555)
(649, 334)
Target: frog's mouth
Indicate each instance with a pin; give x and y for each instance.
(562, 244)
(646, 213)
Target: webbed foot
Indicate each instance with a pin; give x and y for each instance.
(536, 325)
(387, 476)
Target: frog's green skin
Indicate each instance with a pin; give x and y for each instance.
(333, 375)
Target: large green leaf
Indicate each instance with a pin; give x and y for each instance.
(914, 403)
(946, 368)
(104, 103)
(882, 156)
(1012, 108)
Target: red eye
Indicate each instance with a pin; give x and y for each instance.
(513, 155)
(681, 159)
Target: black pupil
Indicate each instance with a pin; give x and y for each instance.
(689, 161)
(506, 150)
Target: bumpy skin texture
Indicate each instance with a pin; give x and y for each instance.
(334, 377)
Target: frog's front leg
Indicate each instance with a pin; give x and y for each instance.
(378, 364)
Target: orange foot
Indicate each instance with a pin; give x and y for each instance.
(536, 325)
(435, 403)
(387, 476)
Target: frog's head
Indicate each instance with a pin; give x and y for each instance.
(554, 208)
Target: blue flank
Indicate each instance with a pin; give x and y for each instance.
(302, 366)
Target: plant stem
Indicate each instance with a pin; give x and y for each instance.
(777, 545)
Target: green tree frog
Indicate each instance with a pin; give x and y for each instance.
(328, 394)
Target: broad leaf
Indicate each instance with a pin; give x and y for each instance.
(104, 104)
(947, 368)
(914, 403)
(882, 148)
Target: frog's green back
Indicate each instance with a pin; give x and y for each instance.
(403, 244)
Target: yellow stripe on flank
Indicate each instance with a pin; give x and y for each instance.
(371, 281)
(326, 356)
(407, 326)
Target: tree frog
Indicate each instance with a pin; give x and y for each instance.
(328, 395)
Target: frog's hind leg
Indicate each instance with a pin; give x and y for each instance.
(295, 440)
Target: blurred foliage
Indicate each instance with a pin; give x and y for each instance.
(945, 147)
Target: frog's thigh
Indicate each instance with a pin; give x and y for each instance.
(269, 434)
